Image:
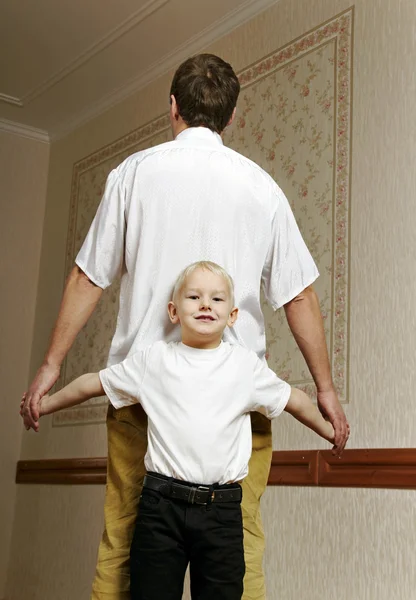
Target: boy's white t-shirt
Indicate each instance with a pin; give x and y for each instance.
(198, 404)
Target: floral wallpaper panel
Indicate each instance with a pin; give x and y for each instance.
(293, 120)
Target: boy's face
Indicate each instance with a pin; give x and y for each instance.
(203, 308)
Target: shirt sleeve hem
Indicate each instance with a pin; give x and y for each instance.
(81, 265)
(295, 292)
(282, 404)
(115, 401)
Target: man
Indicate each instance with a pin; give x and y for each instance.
(163, 208)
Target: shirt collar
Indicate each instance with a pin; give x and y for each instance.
(198, 353)
(201, 134)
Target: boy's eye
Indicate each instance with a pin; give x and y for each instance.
(219, 299)
(193, 297)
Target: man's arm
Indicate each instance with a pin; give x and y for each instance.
(79, 300)
(305, 321)
(81, 389)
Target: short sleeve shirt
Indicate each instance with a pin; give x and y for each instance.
(183, 201)
(198, 411)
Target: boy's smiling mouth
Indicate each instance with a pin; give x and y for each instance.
(205, 318)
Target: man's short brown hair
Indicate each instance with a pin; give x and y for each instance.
(206, 91)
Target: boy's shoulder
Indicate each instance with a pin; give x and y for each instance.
(162, 348)
(147, 351)
(241, 353)
(158, 348)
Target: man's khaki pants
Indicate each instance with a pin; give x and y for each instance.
(127, 445)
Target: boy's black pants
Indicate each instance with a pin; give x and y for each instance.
(171, 533)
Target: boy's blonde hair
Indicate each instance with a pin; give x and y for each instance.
(206, 265)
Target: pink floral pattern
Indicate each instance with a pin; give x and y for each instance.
(294, 119)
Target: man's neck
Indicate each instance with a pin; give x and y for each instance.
(178, 126)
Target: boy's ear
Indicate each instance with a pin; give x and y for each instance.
(173, 313)
(233, 317)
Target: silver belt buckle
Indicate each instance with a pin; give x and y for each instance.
(194, 490)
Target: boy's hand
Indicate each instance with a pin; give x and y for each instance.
(330, 436)
(45, 378)
(24, 413)
(28, 421)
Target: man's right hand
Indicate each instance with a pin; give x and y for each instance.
(332, 411)
(44, 379)
(80, 298)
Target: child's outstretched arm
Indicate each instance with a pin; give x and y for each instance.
(301, 407)
(81, 389)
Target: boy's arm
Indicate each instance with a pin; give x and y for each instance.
(301, 407)
(81, 389)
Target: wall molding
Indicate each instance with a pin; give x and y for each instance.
(248, 10)
(235, 18)
(14, 100)
(67, 471)
(24, 131)
(132, 21)
(388, 468)
(393, 468)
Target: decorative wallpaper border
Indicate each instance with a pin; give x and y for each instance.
(110, 151)
(339, 31)
(389, 468)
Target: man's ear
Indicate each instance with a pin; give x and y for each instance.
(174, 111)
(173, 313)
(233, 317)
(232, 116)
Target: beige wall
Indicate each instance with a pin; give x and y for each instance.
(348, 544)
(23, 179)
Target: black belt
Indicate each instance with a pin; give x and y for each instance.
(193, 494)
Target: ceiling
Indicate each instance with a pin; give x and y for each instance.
(63, 62)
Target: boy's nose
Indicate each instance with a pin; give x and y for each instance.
(205, 304)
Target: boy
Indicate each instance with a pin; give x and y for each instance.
(198, 395)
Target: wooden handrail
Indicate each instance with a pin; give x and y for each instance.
(393, 468)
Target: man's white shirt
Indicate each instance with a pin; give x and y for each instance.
(198, 404)
(183, 201)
